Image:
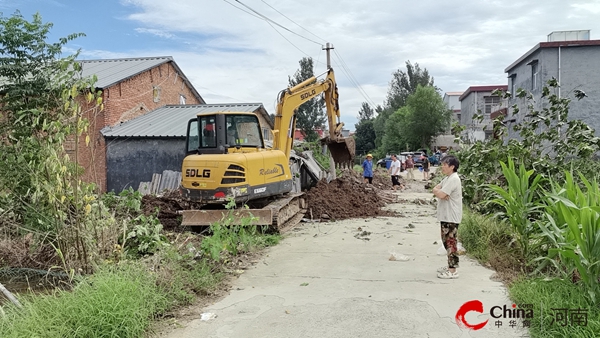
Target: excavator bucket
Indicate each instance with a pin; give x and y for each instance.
(342, 150)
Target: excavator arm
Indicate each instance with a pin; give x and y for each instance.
(342, 149)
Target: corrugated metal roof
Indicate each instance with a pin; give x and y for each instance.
(171, 120)
(112, 71)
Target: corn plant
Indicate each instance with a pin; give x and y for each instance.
(520, 201)
(572, 227)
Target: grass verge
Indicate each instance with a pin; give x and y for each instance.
(117, 301)
(548, 298)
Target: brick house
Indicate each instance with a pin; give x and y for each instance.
(131, 88)
(571, 58)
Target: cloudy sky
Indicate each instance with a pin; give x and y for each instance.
(244, 51)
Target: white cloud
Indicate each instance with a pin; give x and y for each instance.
(232, 56)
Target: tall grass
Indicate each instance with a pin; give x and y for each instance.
(483, 237)
(117, 301)
(555, 294)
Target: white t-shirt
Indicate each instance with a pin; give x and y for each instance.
(395, 167)
(450, 210)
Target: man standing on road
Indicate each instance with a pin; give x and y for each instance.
(395, 172)
(449, 213)
(410, 166)
(426, 165)
(368, 169)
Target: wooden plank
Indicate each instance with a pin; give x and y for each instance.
(208, 217)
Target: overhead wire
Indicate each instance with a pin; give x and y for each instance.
(269, 20)
(353, 79)
(343, 66)
(243, 10)
(297, 24)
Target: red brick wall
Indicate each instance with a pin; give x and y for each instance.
(122, 102)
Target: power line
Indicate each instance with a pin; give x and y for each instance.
(346, 69)
(293, 21)
(243, 10)
(269, 20)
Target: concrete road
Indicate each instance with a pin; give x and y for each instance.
(328, 280)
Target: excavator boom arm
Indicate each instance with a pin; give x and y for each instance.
(291, 98)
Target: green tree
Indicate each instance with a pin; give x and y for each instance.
(365, 112)
(424, 117)
(402, 85)
(395, 140)
(364, 137)
(310, 115)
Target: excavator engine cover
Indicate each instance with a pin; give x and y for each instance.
(342, 151)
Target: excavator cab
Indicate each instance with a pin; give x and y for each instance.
(218, 133)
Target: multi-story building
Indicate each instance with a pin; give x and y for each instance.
(446, 140)
(479, 100)
(571, 58)
(452, 100)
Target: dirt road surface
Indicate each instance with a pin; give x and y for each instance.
(336, 279)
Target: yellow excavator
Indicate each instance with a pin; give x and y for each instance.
(227, 159)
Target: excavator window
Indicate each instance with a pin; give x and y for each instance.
(209, 136)
(243, 130)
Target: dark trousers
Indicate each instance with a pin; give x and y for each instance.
(449, 233)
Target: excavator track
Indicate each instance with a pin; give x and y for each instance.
(287, 212)
(280, 215)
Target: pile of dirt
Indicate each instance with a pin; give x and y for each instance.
(346, 197)
(349, 197)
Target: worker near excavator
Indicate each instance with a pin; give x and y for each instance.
(368, 169)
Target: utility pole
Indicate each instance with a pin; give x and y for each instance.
(327, 48)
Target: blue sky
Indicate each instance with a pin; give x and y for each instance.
(231, 53)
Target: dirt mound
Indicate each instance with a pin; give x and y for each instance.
(349, 197)
(346, 197)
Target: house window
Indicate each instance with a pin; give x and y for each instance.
(490, 102)
(156, 93)
(535, 76)
(266, 134)
(181, 99)
(513, 85)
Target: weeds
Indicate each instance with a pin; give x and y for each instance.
(117, 301)
(228, 235)
(549, 299)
